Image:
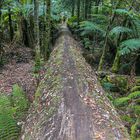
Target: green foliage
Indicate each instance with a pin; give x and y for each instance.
(115, 83)
(135, 88)
(134, 95)
(9, 129)
(5, 105)
(125, 100)
(116, 31)
(109, 86)
(37, 62)
(72, 22)
(121, 101)
(88, 27)
(20, 102)
(135, 109)
(129, 45)
(87, 43)
(127, 118)
(12, 110)
(134, 128)
(122, 12)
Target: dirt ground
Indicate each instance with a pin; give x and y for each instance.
(18, 70)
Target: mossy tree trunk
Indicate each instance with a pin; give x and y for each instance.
(105, 47)
(10, 24)
(97, 2)
(116, 62)
(78, 11)
(73, 8)
(1, 50)
(70, 104)
(36, 34)
(86, 8)
(47, 30)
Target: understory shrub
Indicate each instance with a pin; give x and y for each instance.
(12, 110)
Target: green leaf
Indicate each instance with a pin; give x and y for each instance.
(119, 29)
(122, 12)
(88, 27)
(129, 46)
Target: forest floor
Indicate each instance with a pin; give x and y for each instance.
(18, 70)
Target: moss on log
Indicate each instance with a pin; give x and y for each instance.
(70, 103)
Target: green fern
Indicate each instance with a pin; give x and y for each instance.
(122, 12)
(121, 101)
(129, 46)
(5, 105)
(134, 128)
(119, 29)
(9, 130)
(88, 27)
(136, 109)
(19, 101)
(12, 110)
(135, 88)
(125, 100)
(134, 95)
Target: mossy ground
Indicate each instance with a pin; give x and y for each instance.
(126, 102)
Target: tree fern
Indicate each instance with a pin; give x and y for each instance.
(129, 45)
(122, 12)
(119, 29)
(88, 27)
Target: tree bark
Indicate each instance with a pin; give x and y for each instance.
(73, 8)
(10, 24)
(78, 11)
(36, 35)
(97, 4)
(47, 30)
(70, 104)
(102, 59)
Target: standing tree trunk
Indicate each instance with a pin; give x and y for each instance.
(1, 50)
(102, 59)
(78, 11)
(48, 30)
(86, 8)
(97, 8)
(36, 35)
(89, 9)
(73, 7)
(116, 62)
(36, 23)
(10, 24)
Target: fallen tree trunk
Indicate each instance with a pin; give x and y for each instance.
(70, 103)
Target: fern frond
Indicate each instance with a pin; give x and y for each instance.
(119, 29)
(122, 12)
(136, 28)
(99, 16)
(121, 101)
(128, 46)
(88, 27)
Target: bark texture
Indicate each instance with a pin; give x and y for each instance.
(70, 103)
